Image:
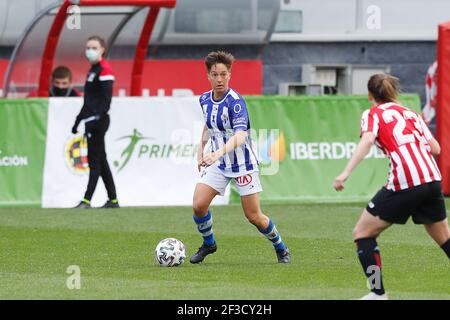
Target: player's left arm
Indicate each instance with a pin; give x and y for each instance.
(435, 148)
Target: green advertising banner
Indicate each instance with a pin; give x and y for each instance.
(305, 142)
(23, 130)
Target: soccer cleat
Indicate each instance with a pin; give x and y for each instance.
(284, 256)
(111, 204)
(202, 252)
(374, 296)
(83, 205)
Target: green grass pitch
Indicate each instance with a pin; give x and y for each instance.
(114, 250)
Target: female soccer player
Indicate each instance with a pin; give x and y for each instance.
(97, 101)
(232, 158)
(413, 187)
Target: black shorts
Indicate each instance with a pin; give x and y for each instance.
(425, 203)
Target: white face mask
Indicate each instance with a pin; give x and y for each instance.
(92, 55)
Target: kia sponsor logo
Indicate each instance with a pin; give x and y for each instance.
(244, 180)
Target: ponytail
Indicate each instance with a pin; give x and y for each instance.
(384, 87)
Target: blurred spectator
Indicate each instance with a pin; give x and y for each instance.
(61, 85)
(429, 110)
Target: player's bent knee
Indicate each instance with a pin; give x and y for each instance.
(255, 217)
(359, 233)
(439, 231)
(355, 233)
(253, 220)
(200, 208)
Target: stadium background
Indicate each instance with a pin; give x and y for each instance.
(284, 48)
(329, 48)
(336, 33)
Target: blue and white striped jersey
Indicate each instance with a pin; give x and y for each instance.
(223, 118)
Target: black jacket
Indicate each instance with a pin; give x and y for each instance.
(97, 91)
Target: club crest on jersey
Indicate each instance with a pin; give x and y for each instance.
(243, 180)
(224, 118)
(91, 77)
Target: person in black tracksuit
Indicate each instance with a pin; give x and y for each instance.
(97, 100)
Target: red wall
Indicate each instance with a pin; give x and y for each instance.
(443, 103)
(172, 74)
(3, 65)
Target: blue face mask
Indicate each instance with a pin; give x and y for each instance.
(92, 55)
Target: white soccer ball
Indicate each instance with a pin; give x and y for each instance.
(170, 252)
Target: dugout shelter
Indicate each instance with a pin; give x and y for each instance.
(56, 36)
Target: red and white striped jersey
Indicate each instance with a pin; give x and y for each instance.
(403, 136)
(429, 110)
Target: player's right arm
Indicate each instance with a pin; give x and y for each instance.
(201, 146)
(369, 133)
(363, 148)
